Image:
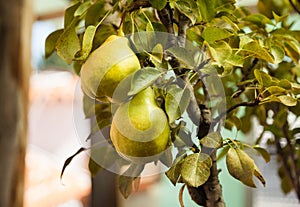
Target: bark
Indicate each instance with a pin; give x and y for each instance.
(210, 193)
(15, 31)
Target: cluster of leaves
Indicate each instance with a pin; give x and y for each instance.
(256, 57)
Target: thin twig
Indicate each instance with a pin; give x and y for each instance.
(245, 76)
(294, 6)
(250, 104)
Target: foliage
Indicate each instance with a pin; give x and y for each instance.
(256, 56)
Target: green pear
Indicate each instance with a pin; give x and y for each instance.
(107, 67)
(140, 130)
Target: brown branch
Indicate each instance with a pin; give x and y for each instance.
(183, 25)
(212, 187)
(284, 160)
(294, 168)
(166, 17)
(294, 6)
(139, 4)
(245, 76)
(249, 104)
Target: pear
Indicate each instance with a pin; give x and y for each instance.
(140, 130)
(107, 67)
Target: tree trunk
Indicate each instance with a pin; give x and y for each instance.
(15, 34)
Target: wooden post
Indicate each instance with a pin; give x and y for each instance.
(15, 36)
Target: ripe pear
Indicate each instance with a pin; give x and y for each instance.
(107, 67)
(140, 129)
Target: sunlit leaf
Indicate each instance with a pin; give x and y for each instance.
(263, 78)
(275, 90)
(174, 172)
(87, 42)
(258, 175)
(69, 14)
(195, 169)
(278, 53)
(259, 19)
(176, 102)
(211, 34)
(158, 4)
(50, 42)
(263, 152)
(185, 57)
(143, 78)
(212, 140)
(253, 48)
(94, 167)
(240, 166)
(129, 180)
(68, 43)
(94, 13)
(220, 51)
(188, 8)
(207, 10)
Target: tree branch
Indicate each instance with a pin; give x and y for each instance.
(294, 169)
(250, 104)
(166, 17)
(294, 6)
(183, 25)
(245, 76)
(284, 160)
(139, 4)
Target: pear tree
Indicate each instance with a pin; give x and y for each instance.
(166, 77)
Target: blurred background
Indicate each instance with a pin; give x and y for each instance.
(54, 135)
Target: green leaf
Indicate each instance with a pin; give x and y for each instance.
(82, 8)
(211, 34)
(220, 51)
(240, 166)
(259, 19)
(195, 169)
(253, 48)
(287, 100)
(262, 77)
(143, 78)
(68, 43)
(206, 10)
(212, 140)
(176, 101)
(50, 42)
(87, 43)
(188, 8)
(128, 184)
(174, 172)
(94, 167)
(278, 53)
(95, 13)
(286, 185)
(185, 57)
(69, 14)
(158, 4)
(235, 60)
(284, 99)
(275, 90)
(129, 180)
(105, 156)
(264, 153)
(258, 175)
(222, 152)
